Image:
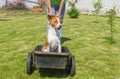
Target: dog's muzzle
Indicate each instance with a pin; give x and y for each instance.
(58, 26)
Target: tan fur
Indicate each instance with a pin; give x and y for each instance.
(53, 20)
(46, 44)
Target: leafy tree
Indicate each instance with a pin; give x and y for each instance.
(97, 6)
(111, 21)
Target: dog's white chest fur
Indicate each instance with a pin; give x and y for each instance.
(53, 40)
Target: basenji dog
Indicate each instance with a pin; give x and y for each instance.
(53, 41)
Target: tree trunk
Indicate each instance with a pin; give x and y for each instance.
(41, 3)
(6, 3)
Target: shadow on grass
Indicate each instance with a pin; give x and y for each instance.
(5, 19)
(64, 39)
(57, 73)
(110, 40)
(96, 22)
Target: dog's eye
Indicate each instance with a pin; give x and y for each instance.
(60, 21)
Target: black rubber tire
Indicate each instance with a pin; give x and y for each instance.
(29, 63)
(72, 66)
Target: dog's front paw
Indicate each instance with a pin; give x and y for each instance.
(45, 49)
(59, 49)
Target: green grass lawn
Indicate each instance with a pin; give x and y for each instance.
(95, 57)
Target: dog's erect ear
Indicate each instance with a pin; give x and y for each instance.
(49, 17)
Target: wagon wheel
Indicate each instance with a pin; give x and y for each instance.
(72, 66)
(29, 63)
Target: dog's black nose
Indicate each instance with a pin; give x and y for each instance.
(60, 26)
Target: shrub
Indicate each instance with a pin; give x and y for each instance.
(9, 6)
(20, 5)
(42, 3)
(73, 12)
(16, 5)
